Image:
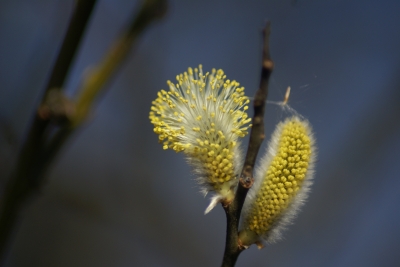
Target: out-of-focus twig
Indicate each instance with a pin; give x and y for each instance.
(70, 44)
(232, 245)
(29, 167)
(100, 74)
(41, 148)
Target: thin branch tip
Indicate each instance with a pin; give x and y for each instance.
(267, 62)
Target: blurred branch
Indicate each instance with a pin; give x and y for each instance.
(60, 116)
(28, 171)
(100, 74)
(72, 38)
(232, 245)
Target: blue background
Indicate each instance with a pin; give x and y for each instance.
(115, 198)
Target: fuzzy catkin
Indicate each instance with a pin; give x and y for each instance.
(204, 116)
(282, 182)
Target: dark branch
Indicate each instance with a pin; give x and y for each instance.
(40, 149)
(26, 177)
(70, 43)
(232, 246)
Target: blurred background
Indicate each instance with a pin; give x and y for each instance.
(114, 197)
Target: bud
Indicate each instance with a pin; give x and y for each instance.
(282, 183)
(204, 116)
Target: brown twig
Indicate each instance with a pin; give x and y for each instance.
(29, 168)
(70, 44)
(40, 149)
(232, 245)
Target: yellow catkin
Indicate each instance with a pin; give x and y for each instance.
(203, 115)
(283, 178)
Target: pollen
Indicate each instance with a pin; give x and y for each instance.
(192, 118)
(284, 177)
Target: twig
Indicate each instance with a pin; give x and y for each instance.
(232, 245)
(38, 152)
(29, 167)
(100, 74)
(103, 72)
(70, 44)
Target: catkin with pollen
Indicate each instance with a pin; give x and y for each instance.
(204, 116)
(282, 182)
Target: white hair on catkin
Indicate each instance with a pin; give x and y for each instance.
(287, 216)
(202, 179)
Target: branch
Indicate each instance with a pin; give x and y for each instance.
(27, 174)
(40, 148)
(100, 74)
(232, 245)
(70, 44)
